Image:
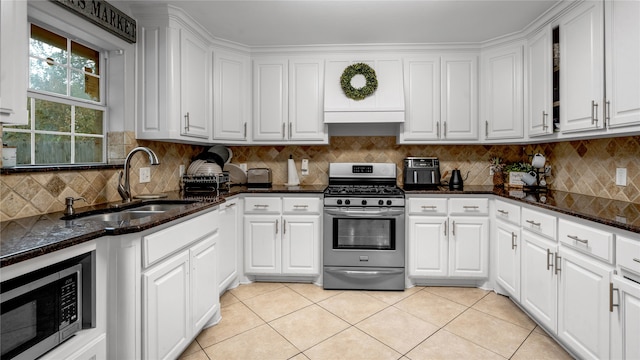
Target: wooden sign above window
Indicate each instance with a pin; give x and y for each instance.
(104, 15)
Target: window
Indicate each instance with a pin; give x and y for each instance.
(67, 110)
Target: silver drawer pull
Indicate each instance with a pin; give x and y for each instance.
(470, 207)
(300, 206)
(533, 222)
(549, 263)
(503, 212)
(261, 206)
(573, 237)
(430, 207)
(636, 260)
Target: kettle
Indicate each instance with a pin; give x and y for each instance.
(455, 182)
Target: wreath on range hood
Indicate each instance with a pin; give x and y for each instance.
(358, 69)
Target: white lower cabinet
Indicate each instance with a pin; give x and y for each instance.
(228, 244)
(282, 235)
(448, 246)
(625, 318)
(508, 249)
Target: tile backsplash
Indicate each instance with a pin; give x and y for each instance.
(582, 166)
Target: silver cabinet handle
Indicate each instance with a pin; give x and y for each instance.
(470, 206)
(261, 206)
(594, 112)
(611, 290)
(486, 128)
(283, 131)
(549, 263)
(573, 237)
(544, 121)
(558, 259)
(444, 125)
(290, 130)
(438, 128)
(245, 130)
(607, 115)
(513, 241)
(429, 207)
(453, 228)
(284, 226)
(504, 212)
(533, 222)
(231, 205)
(186, 122)
(276, 226)
(446, 224)
(300, 206)
(636, 260)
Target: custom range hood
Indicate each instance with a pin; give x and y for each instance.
(385, 105)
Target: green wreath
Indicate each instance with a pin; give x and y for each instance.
(360, 93)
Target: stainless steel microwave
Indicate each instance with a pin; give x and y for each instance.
(42, 309)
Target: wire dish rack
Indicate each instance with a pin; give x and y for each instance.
(205, 184)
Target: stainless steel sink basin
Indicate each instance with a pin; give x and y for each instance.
(120, 216)
(130, 213)
(161, 207)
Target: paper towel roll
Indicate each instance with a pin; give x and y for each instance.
(292, 173)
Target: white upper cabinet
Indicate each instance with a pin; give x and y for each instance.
(231, 96)
(540, 81)
(459, 97)
(622, 106)
(422, 104)
(173, 73)
(581, 68)
(287, 101)
(502, 109)
(14, 55)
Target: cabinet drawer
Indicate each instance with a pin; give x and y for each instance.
(309, 205)
(428, 206)
(262, 205)
(539, 223)
(507, 212)
(469, 206)
(628, 253)
(586, 239)
(165, 242)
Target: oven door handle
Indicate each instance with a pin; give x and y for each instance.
(365, 213)
(365, 273)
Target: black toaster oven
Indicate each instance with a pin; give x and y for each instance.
(421, 173)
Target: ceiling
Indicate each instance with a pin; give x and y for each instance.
(332, 22)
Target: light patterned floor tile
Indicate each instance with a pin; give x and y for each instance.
(397, 329)
(462, 295)
(488, 331)
(351, 344)
(392, 297)
(309, 326)
(275, 304)
(192, 348)
(540, 331)
(432, 308)
(247, 291)
(353, 306)
(256, 344)
(300, 356)
(502, 307)
(236, 318)
(198, 355)
(444, 345)
(228, 299)
(313, 292)
(539, 346)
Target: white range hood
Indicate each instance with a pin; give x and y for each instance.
(385, 105)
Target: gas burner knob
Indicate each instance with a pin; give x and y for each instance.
(364, 202)
(380, 202)
(347, 202)
(339, 202)
(389, 202)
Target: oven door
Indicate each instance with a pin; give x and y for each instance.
(367, 237)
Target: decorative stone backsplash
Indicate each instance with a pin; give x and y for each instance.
(585, 167)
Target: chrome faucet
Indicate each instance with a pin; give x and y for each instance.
(125, 189)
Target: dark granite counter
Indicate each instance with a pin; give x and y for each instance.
(29, 237)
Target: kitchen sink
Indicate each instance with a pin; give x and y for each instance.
(128, 213)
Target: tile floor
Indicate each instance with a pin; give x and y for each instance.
(302, 321)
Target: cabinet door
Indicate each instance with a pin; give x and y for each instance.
(583, 305)
(231, 96)
(270, 99)
(469, 247)
(14, 64)
(581, 68)
(166, 329)
(539, 283)
(306, 101)
(194, 86)
(204, 292)
(540, 115)
(625, 319)
(459, 97)
(622, 59)
(503, 100)
(422, 93)
(262, 244)
(228, 244)
(301, 245)
(508, 258)
(428, 248)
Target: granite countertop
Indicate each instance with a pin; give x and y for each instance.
(26, 238)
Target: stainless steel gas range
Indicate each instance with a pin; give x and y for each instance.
(364, 235)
